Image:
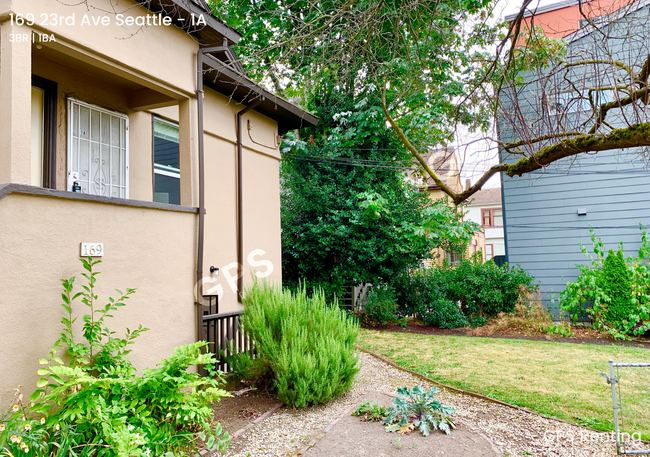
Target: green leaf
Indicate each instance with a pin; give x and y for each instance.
(42, 382)
(36, 395)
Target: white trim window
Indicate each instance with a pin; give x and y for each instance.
(98, 150)
(166, 166)
(489, 251)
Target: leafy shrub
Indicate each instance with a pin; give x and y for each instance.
(244, 367)
(380, 306)
(443, 313)
(308, 345)
(370, 412)
(98, 406)
(482, 289)
(613, 292)
(416, 408)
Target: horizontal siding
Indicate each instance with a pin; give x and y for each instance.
(543, 229)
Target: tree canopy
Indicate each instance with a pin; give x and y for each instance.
(348, 221)
(431, 68)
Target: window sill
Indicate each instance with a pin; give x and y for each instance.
(6, 189)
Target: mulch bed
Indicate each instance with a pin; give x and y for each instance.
(236, 412)
(581, 335)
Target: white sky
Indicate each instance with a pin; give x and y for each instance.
(507, 7)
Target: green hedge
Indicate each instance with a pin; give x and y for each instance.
(466, 294)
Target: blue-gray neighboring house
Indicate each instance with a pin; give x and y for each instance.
(547, 213)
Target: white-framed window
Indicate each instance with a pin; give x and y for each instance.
(98, 150)
(166, 165)
(491, 217)
(489, 251)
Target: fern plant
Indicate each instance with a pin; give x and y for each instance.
(416, 408)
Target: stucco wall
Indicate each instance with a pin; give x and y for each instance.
(147, 51)
(151, 250)
(261, 200)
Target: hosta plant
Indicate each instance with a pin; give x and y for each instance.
(416, 408)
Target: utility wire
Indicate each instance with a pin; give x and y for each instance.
(378, 164)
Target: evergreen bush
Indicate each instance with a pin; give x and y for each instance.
(443, 313)
(617, 286)
(308, 345)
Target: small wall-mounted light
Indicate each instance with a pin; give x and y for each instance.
(214, 270)
(582, 211)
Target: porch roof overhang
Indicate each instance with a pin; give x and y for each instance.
(226, 80)
(181, 11)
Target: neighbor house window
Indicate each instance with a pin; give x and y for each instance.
(98, 154)
(453, 258)
(492, 217)
(166, 168)
(489, 251)
(43, 132)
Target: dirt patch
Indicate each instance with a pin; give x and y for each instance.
(580, 335)
(234, 413)
(350, 436)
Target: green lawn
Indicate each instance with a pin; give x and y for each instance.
(555, 379)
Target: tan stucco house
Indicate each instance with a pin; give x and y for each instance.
(119, 136)
(445, 163)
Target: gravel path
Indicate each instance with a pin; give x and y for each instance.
(513, 432)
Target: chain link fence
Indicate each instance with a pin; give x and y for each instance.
(630, 383)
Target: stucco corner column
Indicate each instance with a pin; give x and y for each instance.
(189, 151)
(15, 103)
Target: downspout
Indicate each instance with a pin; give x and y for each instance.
(240, 197)
(201, 234)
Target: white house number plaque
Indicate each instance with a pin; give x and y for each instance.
(92, 249)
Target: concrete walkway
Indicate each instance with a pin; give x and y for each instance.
(349, 436)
